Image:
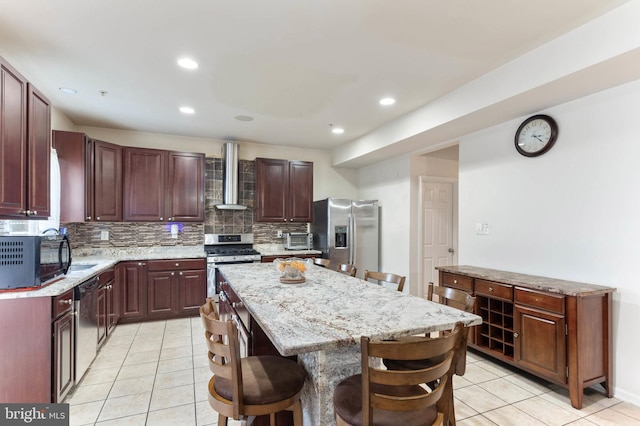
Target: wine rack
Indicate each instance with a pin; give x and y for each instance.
(496, 330)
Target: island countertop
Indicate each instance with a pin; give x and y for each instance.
(551, 285)
(332, 310)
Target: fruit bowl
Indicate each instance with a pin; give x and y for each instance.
(292, 269)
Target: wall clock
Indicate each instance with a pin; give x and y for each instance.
(536, 135)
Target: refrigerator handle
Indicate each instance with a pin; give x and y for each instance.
(352, 247)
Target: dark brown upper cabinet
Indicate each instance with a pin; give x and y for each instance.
(284, 190)
(25, 143)
(91, 178)
(163, 186)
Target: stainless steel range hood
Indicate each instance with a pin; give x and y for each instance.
(230, 178)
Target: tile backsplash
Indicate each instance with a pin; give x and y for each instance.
(147, 234)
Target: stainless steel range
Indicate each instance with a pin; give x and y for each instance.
(226, 249)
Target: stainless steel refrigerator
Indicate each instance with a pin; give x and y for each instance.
(346, 231)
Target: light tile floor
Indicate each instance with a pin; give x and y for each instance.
(156, 373)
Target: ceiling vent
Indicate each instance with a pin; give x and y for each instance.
(230, 178)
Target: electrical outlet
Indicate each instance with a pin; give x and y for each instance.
(279, 233)
(482, 229)
(104, 235)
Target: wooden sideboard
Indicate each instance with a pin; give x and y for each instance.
(555, 329)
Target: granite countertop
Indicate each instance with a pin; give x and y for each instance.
(332, 310)
(103, 259)
(551, 285)
(279, 250)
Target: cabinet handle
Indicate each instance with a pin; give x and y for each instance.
(98, 218)
(180, 273)
(515, 335)
(88, 218)
(285, 219)
(222, 297)
(177, 264)
(455, 281)
(160, 218)
(66, 302)
(490, 288)
(173, 273)
(237, 305)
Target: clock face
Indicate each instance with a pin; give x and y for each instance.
(536, 135)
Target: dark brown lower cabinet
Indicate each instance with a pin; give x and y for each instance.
(63, 355)
(132, 283)
(561, 334)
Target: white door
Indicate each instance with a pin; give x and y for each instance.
(437, 229)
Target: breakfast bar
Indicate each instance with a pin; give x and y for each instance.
(321, 320)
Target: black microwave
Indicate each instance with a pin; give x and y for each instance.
(32, 260)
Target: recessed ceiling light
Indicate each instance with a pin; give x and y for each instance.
(68, 90)
(187, 110)
(337, 130)
(387, 101)
(243, 118)
(188, 63)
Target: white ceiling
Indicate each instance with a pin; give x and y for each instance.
(296, 67)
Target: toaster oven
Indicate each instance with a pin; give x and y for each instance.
(298, 241)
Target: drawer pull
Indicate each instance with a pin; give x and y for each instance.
(515, 335)
(66, 302)
(455, 281)
(490, 288)
(177, 264)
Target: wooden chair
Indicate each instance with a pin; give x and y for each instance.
(243, 388)
(392, 397)
(459, 300)
(347, 268)
(386, 277)
(325, 263)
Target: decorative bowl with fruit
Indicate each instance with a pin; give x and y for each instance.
(292, 269)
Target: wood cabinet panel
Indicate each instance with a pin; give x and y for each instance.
(176, 264)
(161, 293)
(494, 289)
(132, 278)
(39, 153)
(25, 144)
(456, 281)
(284, 190)
(107, 181)
(536, 299)
(185, 187)
(63, 356)
(540, 345)
(192, 290)
(144, 177)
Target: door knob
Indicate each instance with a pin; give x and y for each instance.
(450, 250)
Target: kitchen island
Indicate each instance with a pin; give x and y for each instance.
(321, 321)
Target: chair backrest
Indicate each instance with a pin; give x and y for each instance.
(460, 300)
(326, 263)
(386, 277)
(387, 397)
(347, 268)
(451, 297)
(223, 351)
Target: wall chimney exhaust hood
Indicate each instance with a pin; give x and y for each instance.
(230, 178)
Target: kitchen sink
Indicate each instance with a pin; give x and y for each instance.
(74, 268)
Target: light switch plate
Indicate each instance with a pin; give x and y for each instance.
(482, 229)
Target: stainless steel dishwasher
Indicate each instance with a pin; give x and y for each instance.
(86, 325)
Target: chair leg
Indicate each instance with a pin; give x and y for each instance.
(222, 420)
(272, 419)
(297, 413)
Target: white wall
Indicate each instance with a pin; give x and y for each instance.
(389, 183)
(573, 213)
(327, 180)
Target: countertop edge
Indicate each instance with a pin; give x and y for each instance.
(535, 282)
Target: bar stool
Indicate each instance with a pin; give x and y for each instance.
(253, 386)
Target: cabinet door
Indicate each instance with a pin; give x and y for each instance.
(63, 356)
(13, 142)
(39, 153)
(192, 290)
(185, 187)
(160, 293)
(132, 278)
(300, 191)
(107, 181)
(74, 156)
(272, 177)
(144, 177)
(540, 344)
